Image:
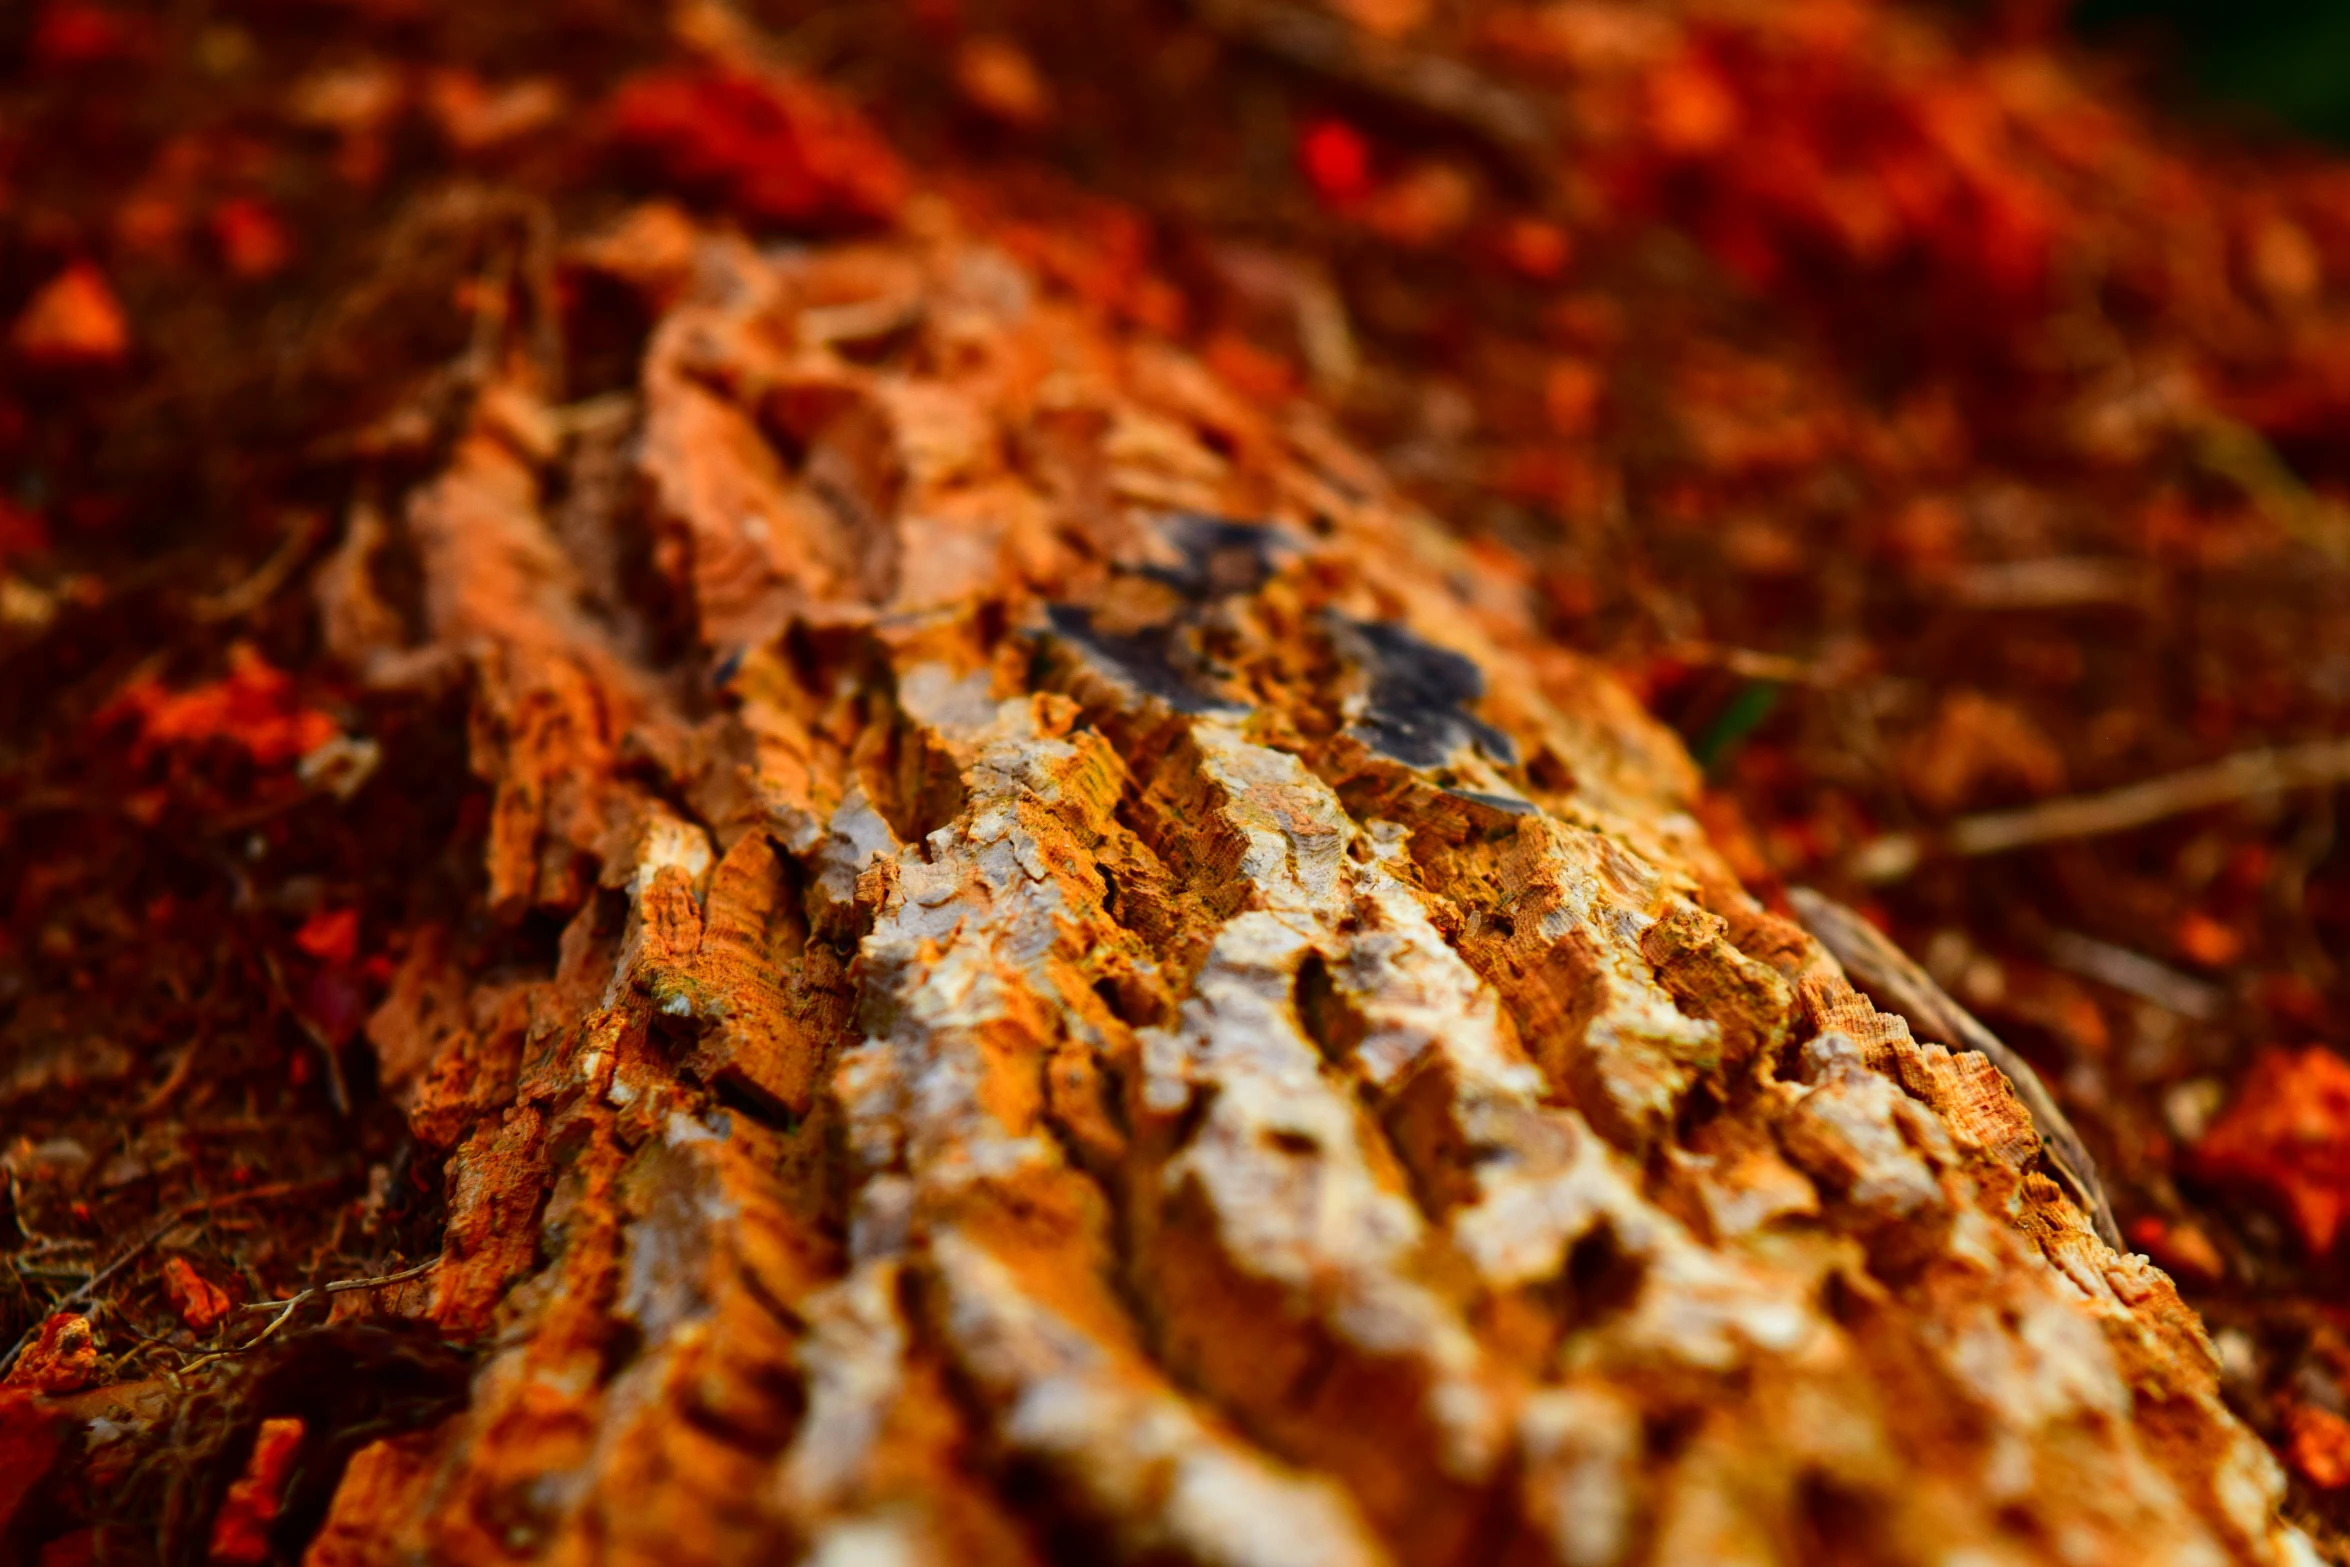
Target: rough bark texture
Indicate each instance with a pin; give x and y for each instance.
(1116, 1001)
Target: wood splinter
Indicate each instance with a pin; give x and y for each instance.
(1891, 977)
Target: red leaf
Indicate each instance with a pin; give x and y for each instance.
(72, 33)
(331, 935)
(1536, 249)
(240, 1530)
(2288, 1134)
(62, 1359)
(200, 1302)
(73, 319)
(31, 1436)
(1336, 160)
(2318, 1442)
(253, 706)
(253, 242)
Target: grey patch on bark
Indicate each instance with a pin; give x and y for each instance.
(1220, 557)
(1418, 712)
(1145, 660)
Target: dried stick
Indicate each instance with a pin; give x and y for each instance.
(292, 1303)
(259, 588)
(2244, 776)
(338, 1087)
(2052, 582)
(339, 1286)
(2136, 974)
(171, 1221)
(176, 1079)
(1749, 664)
(1503, 118)
(1882, 969)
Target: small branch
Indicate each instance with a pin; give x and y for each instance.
(286, 1308)
(174, 1080)
(138, 1248)
(2137, 975)
(2052, 582)
(340, 1286)
(337, 1086)
(1749, 664)
(258, 1339)
(1504, 119)
(2244, 776)
(259, 588)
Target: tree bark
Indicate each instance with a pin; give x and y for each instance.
(1106, 994)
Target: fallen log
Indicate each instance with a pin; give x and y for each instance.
(1107, 995)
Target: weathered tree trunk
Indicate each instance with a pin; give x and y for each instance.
(1117, 1000)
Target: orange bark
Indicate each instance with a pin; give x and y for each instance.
(1113, 988)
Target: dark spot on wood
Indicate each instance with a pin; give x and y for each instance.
(1666, 1433)
(1604, 1276)
(1220, 557)
(1836, 1523)
(1146, 660)
(739, 1093)
(1549, 771)
(1419, 700)
(1192, 1118)
(1503, 803)
(1325, 1014)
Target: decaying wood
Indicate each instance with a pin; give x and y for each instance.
(1116, 1000)
(1889, 975)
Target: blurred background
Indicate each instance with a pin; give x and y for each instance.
(2286, 58)
(1938, 413)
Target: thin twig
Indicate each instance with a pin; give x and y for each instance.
(1882, 969)
(138, 1248)
(338, 1088)
(292, 1303)
(2137, 974)
(1504, 119)
(2244, 776)
(173, 1081)
(146, 1341)
(1751, 664)
(276, 1322)
(2052, 582)
(2237, 452)
(259, 588)
(339, 1286)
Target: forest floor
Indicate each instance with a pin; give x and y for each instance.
(1946, 443)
